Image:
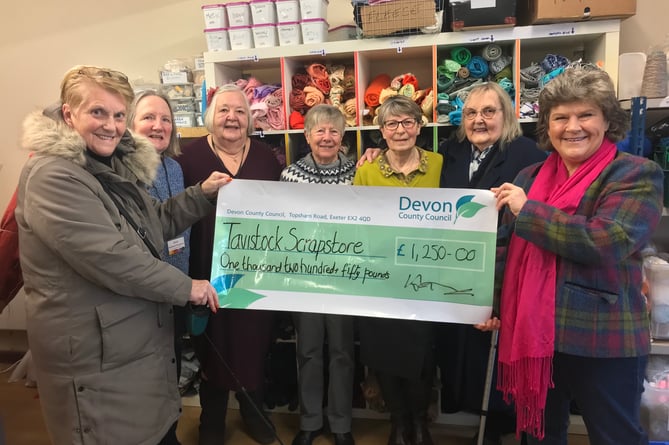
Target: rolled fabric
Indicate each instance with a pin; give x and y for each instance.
(296, 101)
(443, 97)
(445, 108)
(349, 107)
(444, 83)
(386, 93)
(506, 73)
(261, 123)
(276, 119)
(210, 94)
(427, 104)
(241, 83)
(478, 67)
(261, 91)
(374, 89)
(461, 55)
(553, 61)
(322, 84)
(498, 65)
(455, 117)
(296, 120)
(337, 74)
(312, 96)
(396, 83)
(407, 90)
(530, 75)
(450, 66)
(273, 101)
(492, 52)
(258, 109)
(317, 71)
(419, 95)
(349, 82)
(445, 72)
(250, 87)
(336, 93)
(300, 80)
(463, 72)
(507, 86)
(410, 79)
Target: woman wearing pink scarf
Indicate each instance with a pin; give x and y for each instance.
(573, 322)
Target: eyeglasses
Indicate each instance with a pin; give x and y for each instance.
(486, 113)
(101, 72)
(408, 124)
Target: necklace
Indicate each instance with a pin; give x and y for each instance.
(408, 166)
(238, 161)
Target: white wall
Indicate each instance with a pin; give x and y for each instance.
(41, 39)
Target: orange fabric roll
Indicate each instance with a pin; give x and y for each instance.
(374, 89)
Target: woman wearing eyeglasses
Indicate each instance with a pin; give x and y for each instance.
(488, 150)
(400, 352)
(99, 296)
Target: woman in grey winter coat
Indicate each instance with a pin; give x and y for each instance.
(98, 295)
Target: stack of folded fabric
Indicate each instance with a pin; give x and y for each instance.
(318, 84)
(383, 86)
(266, 102)
(457, 74)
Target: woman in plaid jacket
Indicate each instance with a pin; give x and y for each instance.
(573, 322)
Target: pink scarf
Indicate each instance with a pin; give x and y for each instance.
(527, 333)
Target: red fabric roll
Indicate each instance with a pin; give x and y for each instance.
(300, 80)
(322, 84)
(296, 120)
(296, 101)
(410, 78)
(374, 89)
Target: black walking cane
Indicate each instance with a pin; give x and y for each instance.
(488, 383)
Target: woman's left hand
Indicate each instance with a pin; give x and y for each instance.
(511, 195)
(492, 324)
(215, 181)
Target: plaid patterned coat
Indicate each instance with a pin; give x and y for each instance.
(599, 308)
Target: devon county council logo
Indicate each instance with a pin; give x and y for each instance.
(466, 208)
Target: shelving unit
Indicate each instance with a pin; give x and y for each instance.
(418, 54)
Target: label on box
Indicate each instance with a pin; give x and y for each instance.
(478, 4)
(199, 63)
(174, 76)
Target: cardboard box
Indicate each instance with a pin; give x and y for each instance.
(400, 15)
(479, 14)
(531, 12)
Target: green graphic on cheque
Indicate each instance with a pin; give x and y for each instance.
(328, 258)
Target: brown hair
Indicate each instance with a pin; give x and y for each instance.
(593, 86)
(173, 149)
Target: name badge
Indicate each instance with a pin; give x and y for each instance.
(176, 245)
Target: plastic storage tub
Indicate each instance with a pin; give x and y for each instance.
(314, 30)
(287, 11)
(241, 37)
(239, 14)
(263, 12)
(217, 39)
(289, 33)
(264, 35)
(313, 9)
(214, 16)
(657, 274)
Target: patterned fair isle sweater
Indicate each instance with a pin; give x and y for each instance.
(306, 170)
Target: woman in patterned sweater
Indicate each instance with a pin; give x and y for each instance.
(325, 164)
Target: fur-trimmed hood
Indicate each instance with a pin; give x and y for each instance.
(45, 133)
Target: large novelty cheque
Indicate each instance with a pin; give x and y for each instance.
(411, 253)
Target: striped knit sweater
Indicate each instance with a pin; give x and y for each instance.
(306, 170)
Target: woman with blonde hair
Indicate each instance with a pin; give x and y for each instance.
(98, 294)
